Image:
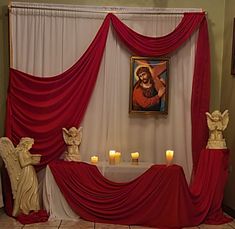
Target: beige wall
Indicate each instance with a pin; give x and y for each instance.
(3, 61)
(220, 14)
(228, 98)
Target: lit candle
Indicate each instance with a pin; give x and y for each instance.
(169, 156)
(112, 157)
(117, 157)
(135, 155)
(135, 158)
(94, 159)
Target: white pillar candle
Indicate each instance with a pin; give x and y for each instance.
(169, 156)
(94, 159)
(112, 157)
(117, 157)
(135, 155)
(135, 158)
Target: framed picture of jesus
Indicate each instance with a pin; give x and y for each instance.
(149, 85)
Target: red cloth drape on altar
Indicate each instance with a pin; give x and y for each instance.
(40, 107)
(158, 198)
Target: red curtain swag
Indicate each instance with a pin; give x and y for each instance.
(159, 46)
(40, 107)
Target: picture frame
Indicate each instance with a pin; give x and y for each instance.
(233, 50)
(149, 85)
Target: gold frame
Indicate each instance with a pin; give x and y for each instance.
(139, 98)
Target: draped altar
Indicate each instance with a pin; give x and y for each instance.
(160, 197)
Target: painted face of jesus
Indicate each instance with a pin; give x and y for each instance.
(144, 77)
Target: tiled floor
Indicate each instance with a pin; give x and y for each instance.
(10, 223)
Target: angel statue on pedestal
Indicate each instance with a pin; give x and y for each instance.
(24, 183)
(72, 138)
(217, 123)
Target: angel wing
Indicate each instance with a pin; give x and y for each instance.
(210, 123)
(78, 137)
(225, 119)
(11, 160)
(65, 135)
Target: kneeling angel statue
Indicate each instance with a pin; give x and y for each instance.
(24, 183)
(72, 138)
(217, 123)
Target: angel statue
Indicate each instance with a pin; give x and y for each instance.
(72, 138)
(24, 183)
(217, 123)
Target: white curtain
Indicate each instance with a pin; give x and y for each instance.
(47, 42)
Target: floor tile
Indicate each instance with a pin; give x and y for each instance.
(223, 226)
(10, 221)
(232, 224)
(141, 227)
(7, 226)
(80, 223)
(49, 224)
(110, 226)
(39, 227)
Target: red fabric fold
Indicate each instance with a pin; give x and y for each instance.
(158, 198)
(200, 99)
(41, 107)
(33, 217)
(158, 46)
(208, 186)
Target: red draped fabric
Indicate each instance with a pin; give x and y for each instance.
(200, 94)
(159, 46)
(40, 107)
(33, 217)
(158, 198)
(208, 186)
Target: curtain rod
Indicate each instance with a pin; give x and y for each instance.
(101, 11)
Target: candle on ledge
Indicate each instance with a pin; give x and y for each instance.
(117, 157)
(94, 159)
(112, 157)
(169, 157)
(135, 158)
